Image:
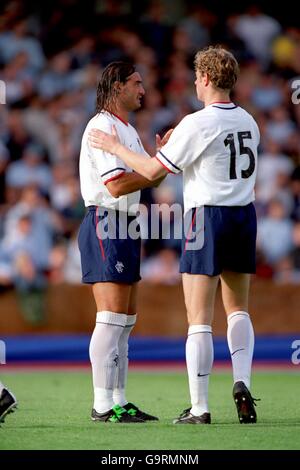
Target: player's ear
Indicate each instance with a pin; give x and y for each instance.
(117, 87)
(206, 79)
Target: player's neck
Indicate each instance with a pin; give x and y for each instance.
(217, 98)
(120, 113)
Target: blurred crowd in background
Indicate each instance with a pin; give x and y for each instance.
(51, 57)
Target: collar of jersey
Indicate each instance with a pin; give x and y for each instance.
(120, 119)
(222, 103)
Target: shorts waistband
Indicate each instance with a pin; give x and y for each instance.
(223, 207)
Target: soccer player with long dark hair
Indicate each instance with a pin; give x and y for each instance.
(111, 260)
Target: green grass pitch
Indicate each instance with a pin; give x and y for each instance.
(54, 413)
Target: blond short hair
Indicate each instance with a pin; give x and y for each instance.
(219, 64)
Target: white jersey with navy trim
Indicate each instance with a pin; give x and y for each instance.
(216, 148)
(97, 168)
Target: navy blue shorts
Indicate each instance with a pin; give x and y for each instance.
(108, 253)
(229, 242)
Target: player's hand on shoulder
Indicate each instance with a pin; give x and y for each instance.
(104, 141)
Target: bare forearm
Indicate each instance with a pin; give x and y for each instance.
(150, 168)
(138, 162)
(129, 183)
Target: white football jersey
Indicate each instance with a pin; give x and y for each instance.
(97, 168)
(216, 148)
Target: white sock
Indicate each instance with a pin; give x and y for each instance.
(119, 396)
(1, 387)
(240, 337)
(199, 360)
(104, 357)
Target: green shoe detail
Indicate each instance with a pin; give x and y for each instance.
(132, 411)
(118, 412)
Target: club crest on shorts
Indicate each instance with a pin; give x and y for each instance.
(119, 266)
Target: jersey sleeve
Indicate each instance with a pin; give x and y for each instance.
(257, 132)
(185, 145)
(109, 166)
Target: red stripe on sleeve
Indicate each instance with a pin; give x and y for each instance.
(168, 170)
(114, 177)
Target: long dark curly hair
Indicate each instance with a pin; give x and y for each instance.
(106, 92)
